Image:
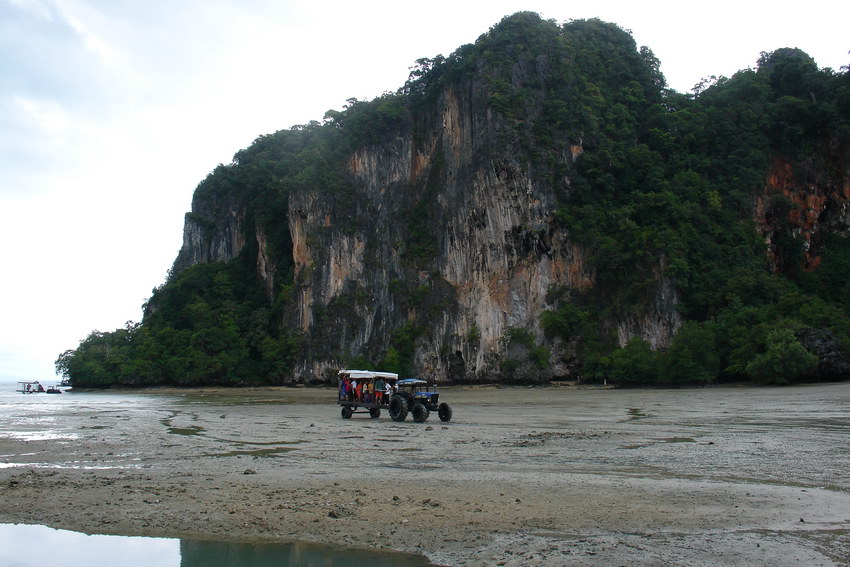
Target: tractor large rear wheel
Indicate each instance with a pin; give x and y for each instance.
(398, 408)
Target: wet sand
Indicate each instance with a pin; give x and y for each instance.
(520, 476)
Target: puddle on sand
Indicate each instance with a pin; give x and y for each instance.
(45, 435)
(191, 430)
(266, 443)
(35, 546)
(662, 440)
(272, 452)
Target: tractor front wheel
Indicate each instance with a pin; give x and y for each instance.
(420, 413)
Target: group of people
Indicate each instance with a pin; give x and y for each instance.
(376, 391)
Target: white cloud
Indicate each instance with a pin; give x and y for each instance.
(33, 7)
(68, 11)
(51, 119)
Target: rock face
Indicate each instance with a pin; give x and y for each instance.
(834, 364)
(449, 234)
(492, 250)
(818, 204)
(212, 234)
(487, 256)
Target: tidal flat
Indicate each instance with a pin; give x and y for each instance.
(555, 475)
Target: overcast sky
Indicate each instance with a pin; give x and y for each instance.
(112, 111)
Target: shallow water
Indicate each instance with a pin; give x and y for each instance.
(42, 418)
(45, 418)
(38, 546)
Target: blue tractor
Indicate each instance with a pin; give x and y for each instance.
(418, 398)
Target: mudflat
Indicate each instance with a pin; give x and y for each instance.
(554, 475)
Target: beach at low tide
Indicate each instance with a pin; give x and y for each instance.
(553, 475)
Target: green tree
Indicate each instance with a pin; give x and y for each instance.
(636, 364)
(692, 357)
(784, 359)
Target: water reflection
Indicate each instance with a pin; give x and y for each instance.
(36, 546)
(220, 554)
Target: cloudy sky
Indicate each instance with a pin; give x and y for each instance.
(112, 111)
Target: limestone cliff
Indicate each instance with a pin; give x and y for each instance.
(212, 233)
(543, 166)
(496, 248)
(493, 249)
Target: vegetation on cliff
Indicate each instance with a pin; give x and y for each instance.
(661, 186)
(677, 185)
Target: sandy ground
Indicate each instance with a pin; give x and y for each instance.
(520, 476)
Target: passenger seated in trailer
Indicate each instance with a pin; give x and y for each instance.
(379, 391)
(366, 387)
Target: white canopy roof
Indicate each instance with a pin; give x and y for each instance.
(360, 374)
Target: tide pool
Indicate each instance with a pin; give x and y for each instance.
(37, 546)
